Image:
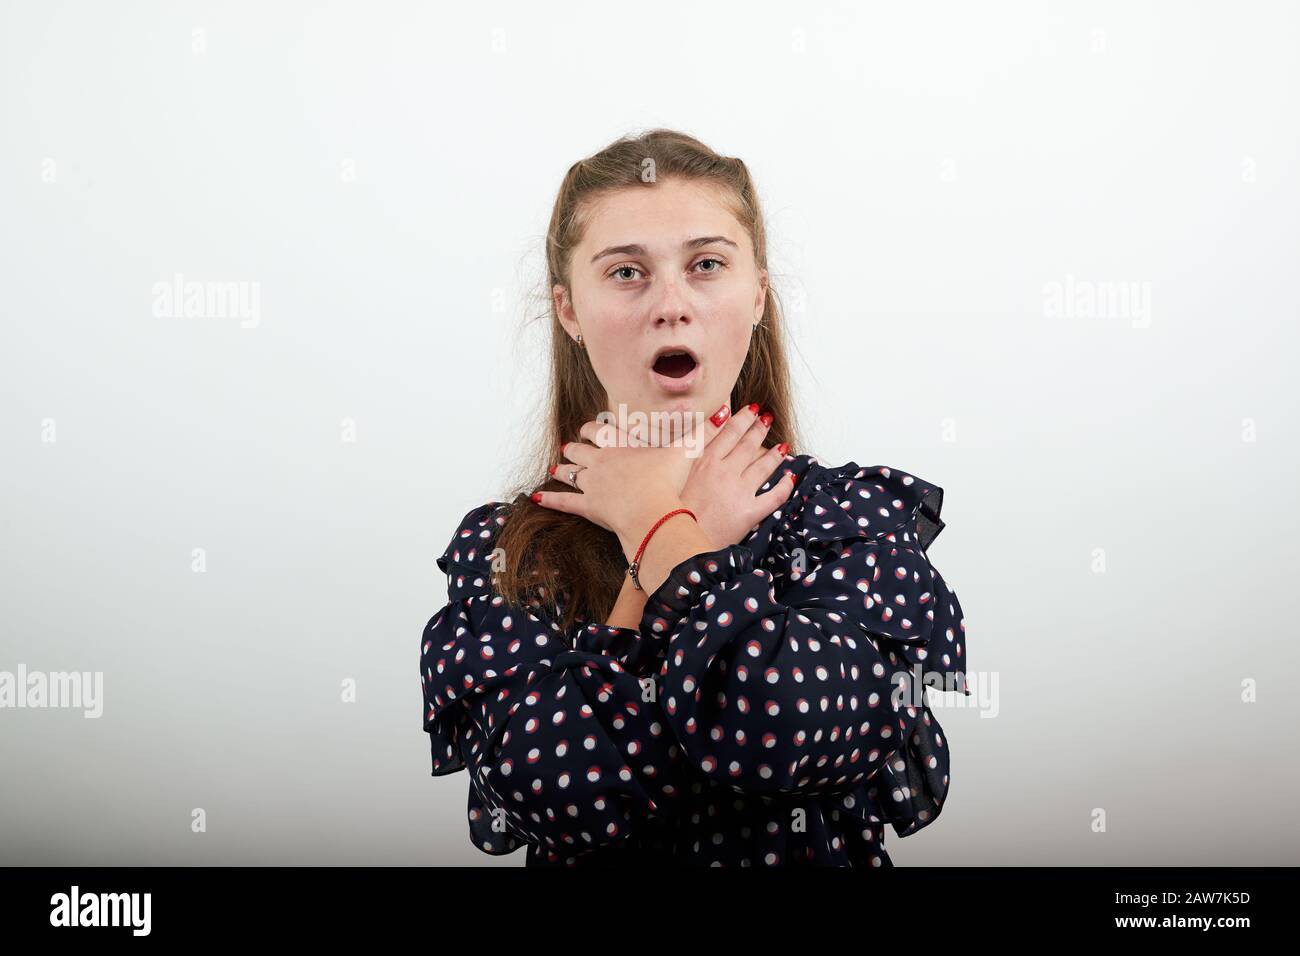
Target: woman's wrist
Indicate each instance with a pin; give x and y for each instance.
(678, 538)
(629, 606)
(643, 519)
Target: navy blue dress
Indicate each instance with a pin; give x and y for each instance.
(769, 711)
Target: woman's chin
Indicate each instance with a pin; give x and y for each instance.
(669, 417)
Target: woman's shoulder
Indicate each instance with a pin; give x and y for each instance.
(837, 502)
(468, 558)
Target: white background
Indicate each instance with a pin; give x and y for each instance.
(383, 172)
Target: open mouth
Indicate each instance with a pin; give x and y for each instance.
(675, 364)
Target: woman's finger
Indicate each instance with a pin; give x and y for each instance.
(749, 446)
(779, 494)
(637, 434)
(567, 473)
(760, 470)
(732, 431)
(699, 439)
(580, 453)
(570, 502)
(602, 434)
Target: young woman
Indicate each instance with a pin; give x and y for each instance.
(690, 645)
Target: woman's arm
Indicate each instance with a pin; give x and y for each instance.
(563, 745)
(567, 748)
(677, 539)
(628, 607)
(801, 691)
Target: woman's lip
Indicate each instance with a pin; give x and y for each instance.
(676, 385)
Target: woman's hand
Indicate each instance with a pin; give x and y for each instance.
(723, 481)
(627, 484)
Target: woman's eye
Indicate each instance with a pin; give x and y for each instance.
(615, 273)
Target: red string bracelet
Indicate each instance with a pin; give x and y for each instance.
(635, 566)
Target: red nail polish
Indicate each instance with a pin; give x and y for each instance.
(766, 419)
(551, 470)
(753, 407)
(537, 496)
(719, 416)
(783, 448)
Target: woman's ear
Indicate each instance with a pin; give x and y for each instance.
(564, 310)
(760, 303)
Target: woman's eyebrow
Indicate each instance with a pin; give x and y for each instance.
(638, 250)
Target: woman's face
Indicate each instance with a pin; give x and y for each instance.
(664, 267)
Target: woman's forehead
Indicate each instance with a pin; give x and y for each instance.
(660, 217)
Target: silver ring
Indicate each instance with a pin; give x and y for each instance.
(573, 476)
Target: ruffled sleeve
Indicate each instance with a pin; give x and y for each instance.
(626, 645)
(566, 749)
(467, 562)
(794, 677)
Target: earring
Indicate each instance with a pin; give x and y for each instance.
(580, 345)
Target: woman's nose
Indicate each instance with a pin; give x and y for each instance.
(673, 306)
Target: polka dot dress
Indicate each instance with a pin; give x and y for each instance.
(769, 711)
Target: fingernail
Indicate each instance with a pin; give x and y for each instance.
(753, 407)
(792, 477)
(551, 470)
(782, 448)
(766, 419)
(719, 416)
(537, 496)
